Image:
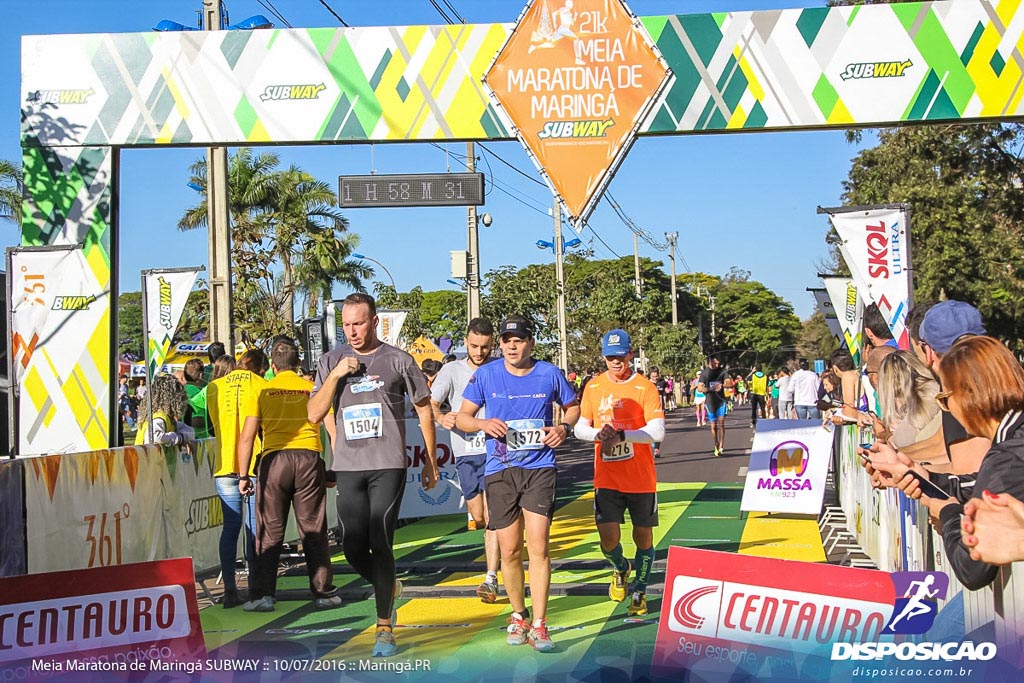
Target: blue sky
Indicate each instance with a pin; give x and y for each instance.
(744, 200)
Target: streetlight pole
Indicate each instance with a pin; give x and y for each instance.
(472, 247)
(672, 237)
(383, 267)
(563, 341)
(221, 305)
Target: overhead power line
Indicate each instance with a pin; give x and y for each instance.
(329, 9)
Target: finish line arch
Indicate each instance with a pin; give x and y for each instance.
(85, 97)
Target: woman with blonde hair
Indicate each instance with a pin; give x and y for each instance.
(906, 397)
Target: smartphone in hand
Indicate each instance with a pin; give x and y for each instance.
(927, 488)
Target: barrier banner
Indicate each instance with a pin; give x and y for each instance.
(763, 618)
(875, 243)
(789, 462)
(134, 618)
(95, 509)
(165, 293)
(60, 330)
(12, 518)
(445, 498)
(849, 308)
(192, 507)
(577, 80)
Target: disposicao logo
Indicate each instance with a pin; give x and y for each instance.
(915, 611)
(72, 303)
(307, 91)
(876, 70)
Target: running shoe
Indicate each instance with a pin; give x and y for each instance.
(657, 452)
(638, 604)
(617, 588)
(488, 591)
(328, 603)
(718, 451)
(518, 630)
(232, 598)
(264, 604)
(384, 644)
(540, 639)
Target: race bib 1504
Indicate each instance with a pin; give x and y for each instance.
(364, 421)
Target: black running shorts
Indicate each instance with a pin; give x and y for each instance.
(514, 489)
(610, 507)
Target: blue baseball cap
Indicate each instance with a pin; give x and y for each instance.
(616, 343)
(947, 321)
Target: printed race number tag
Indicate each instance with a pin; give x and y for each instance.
(525, 435)
(620, 451)
(476, 443)
(363, 421)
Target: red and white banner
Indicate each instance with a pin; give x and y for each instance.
(762, 617)
(59, 322)
(136, 617)
(444, 499)
(875, 243)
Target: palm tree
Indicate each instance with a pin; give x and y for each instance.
(249, 184)
(310, 238)
(12, 189)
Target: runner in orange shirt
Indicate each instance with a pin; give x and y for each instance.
(621, 413)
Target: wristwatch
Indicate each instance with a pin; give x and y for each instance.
(622, 435)
(567, 427)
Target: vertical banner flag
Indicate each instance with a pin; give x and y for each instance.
(577, 79)
(789, 462)
(389, 326)
(849, 308)
(165, 293)
(824, 303)
(875, 243)
(59, 337)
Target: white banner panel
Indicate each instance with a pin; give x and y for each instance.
(389, 326)
(95, 509)
(824, 302)
(789, 461)
(192, 506)
(849, 308)
(166, 292)
(60, 332)
(445, 498)
(876, 247)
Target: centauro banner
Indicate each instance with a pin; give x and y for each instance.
(577, 78)
(876, 247)
(60, 330)
(165, 293)
(849, 309)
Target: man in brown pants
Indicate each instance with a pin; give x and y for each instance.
(291, 471)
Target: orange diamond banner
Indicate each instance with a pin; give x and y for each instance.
(576, 78)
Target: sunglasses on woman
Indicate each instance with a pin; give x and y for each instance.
(942, 398)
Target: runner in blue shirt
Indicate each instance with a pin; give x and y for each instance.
(519, 394)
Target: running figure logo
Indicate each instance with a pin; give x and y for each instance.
(915, 611)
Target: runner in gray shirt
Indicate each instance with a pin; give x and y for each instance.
(366, 383)
(470, 450)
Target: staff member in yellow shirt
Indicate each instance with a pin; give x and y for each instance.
(226, 398)
(291, 472)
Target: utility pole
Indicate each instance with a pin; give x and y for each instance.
(563, 341)
(472, 247)
(221, 307)
(642, 359)
(672, 237)
(712, 321)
